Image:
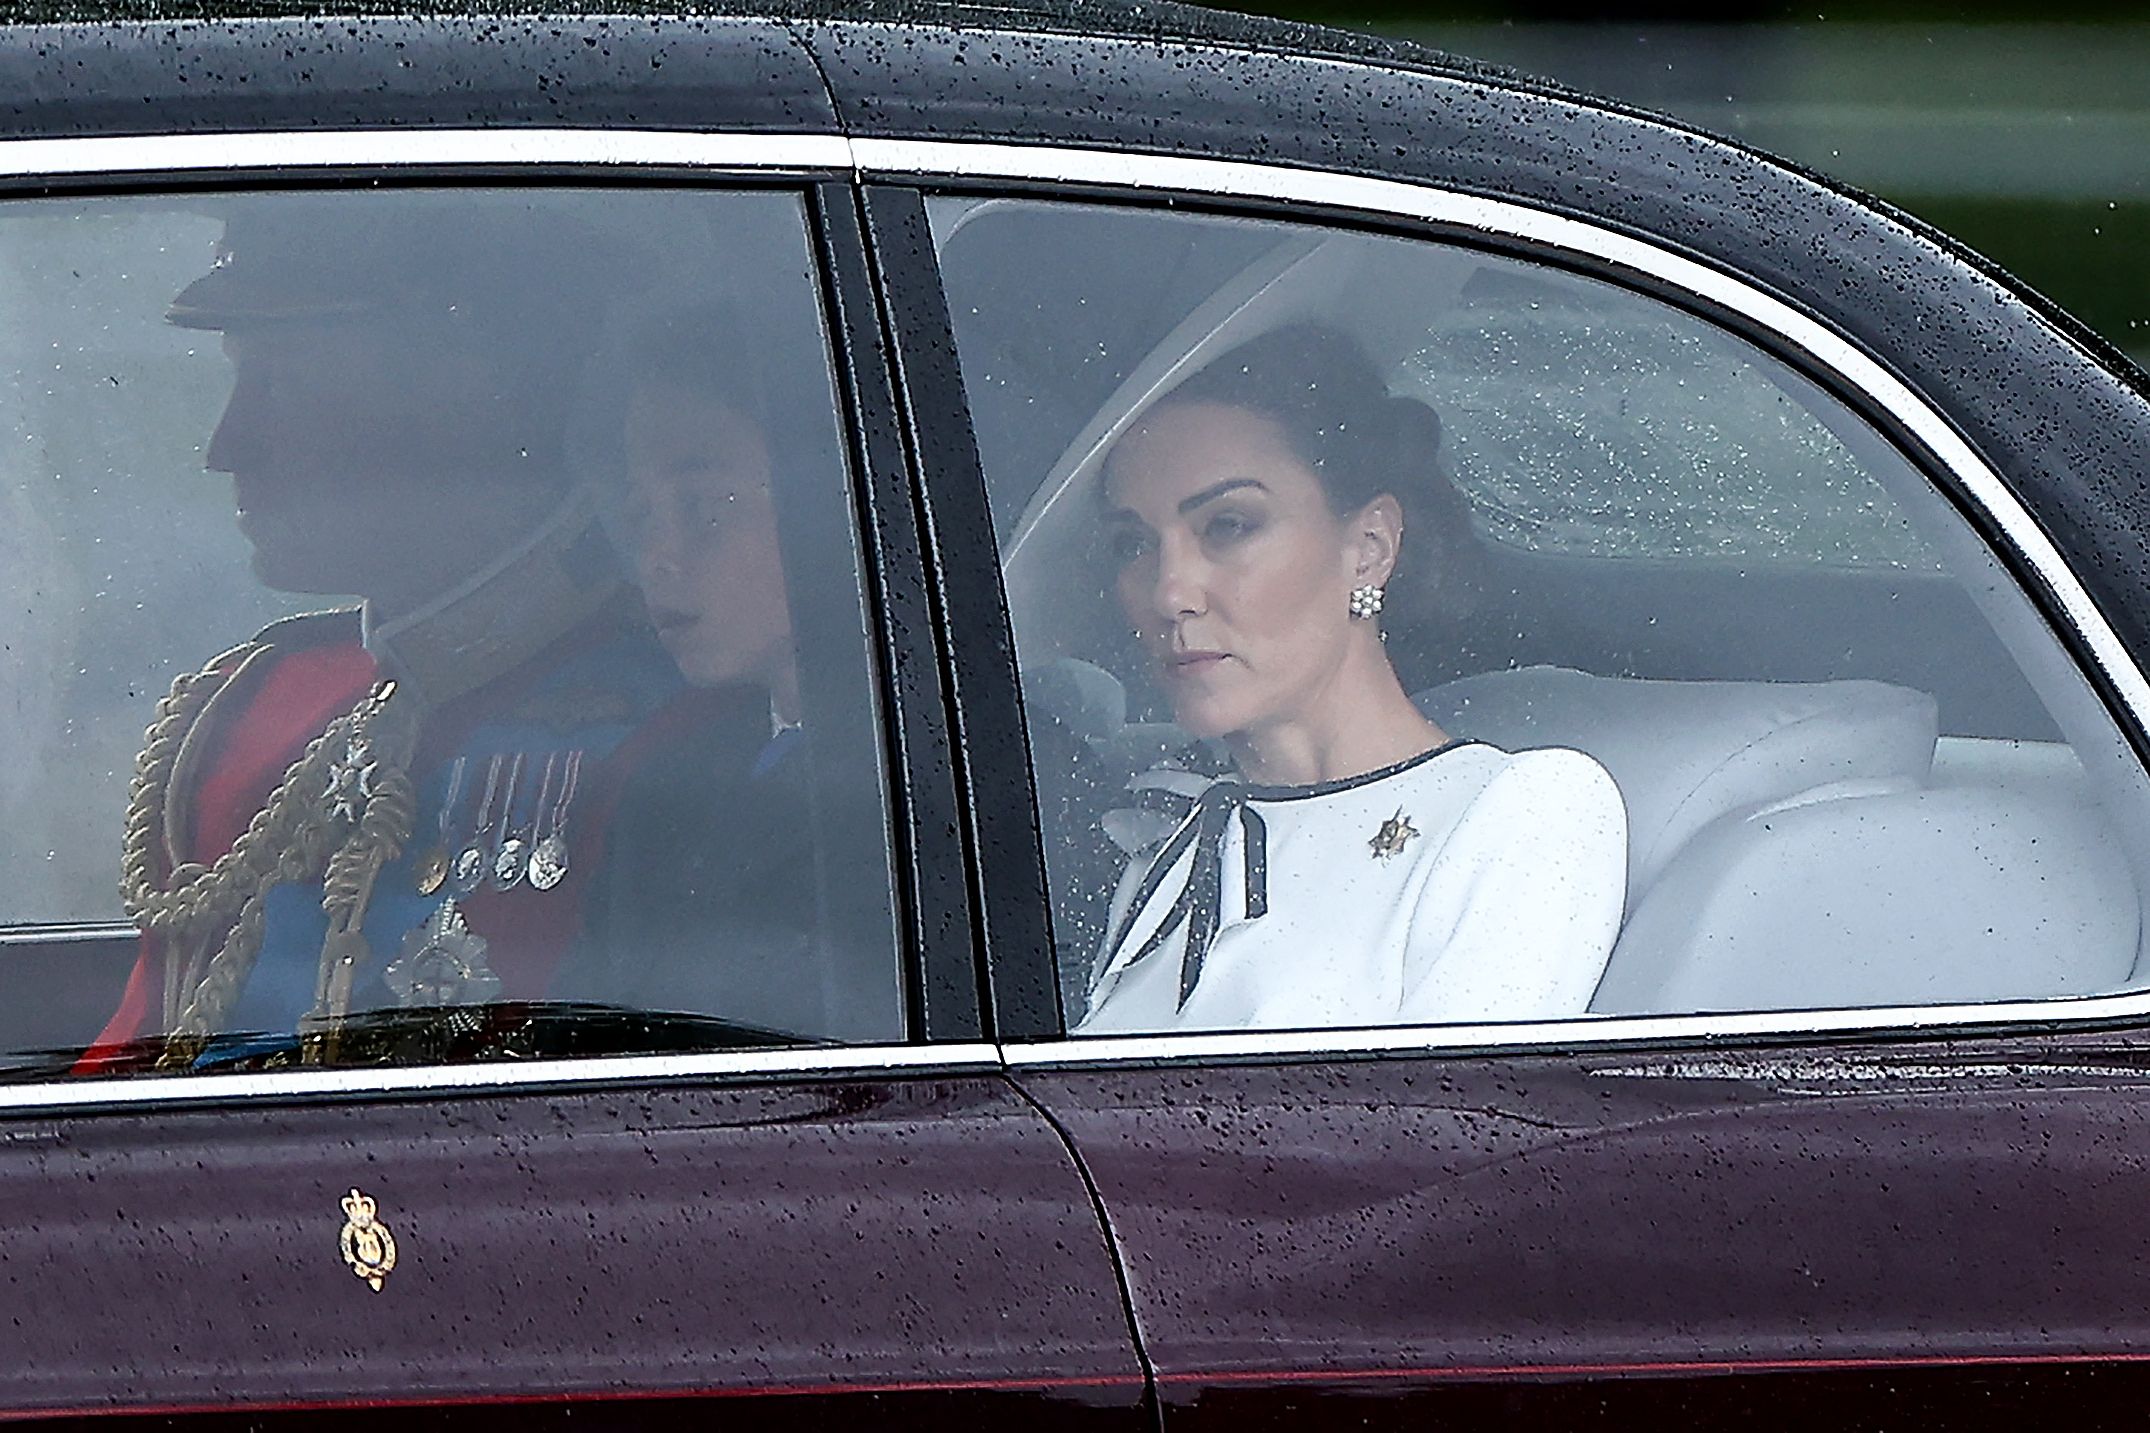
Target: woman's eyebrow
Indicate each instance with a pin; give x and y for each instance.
(1217, 490)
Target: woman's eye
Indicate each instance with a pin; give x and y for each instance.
(1227, 527)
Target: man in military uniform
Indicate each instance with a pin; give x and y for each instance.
(393, 807)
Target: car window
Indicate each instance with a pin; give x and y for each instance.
(1412, 634)
(433, 631)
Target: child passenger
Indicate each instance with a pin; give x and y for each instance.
(709, 898)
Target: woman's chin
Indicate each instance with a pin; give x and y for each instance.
(1206, 721)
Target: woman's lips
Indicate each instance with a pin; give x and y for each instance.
(1193, 664)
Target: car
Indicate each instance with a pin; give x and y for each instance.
(702, 1018)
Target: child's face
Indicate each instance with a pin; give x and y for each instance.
(704, 541)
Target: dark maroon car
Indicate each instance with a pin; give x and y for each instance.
(622, 944)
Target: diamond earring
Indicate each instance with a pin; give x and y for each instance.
(1366, 601)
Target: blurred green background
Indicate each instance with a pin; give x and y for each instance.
(2022, 129)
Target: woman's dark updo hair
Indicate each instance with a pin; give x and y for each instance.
(1319, 387)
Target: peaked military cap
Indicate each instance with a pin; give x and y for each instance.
(515, 266)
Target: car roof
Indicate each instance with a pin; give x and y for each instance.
(218, 65)
(1114, 74)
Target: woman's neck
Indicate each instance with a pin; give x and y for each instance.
(1363, 722)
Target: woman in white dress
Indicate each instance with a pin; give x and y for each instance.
(1360, 866)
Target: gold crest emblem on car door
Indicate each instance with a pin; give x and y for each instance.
(368, 1247)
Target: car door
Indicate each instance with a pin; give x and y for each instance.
(731, 1141)
(1846, 1130)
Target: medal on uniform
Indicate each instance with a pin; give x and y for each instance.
(1389, 840)
(442, 963)
(350, 782)
(432, 869)
(468, 871)
(513, 852)
(548, 859)
(527, 836)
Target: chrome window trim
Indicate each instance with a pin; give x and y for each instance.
(1584, 1032)
(88, 932)
(165, 1091)
(416, 148)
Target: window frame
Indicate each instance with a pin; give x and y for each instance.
(1863, 380)
(934, 914)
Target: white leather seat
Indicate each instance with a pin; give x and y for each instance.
(1938, 896)
(1794, 846)
(1687, 753)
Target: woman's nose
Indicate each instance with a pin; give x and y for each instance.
(1178, 590)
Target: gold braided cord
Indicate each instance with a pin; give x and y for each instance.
(347, 884)
(219, 985)
(295, 835)
(196, 896)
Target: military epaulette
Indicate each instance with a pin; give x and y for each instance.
(236, 674)
(282, 747)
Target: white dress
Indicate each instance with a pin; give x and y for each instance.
(1466, 884)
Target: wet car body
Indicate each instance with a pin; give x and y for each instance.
(1857, 1220)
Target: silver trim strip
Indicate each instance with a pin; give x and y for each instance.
(13, 936)
(165, 1091)
(431, 148)
(1590, 1032)
(1500, 219)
